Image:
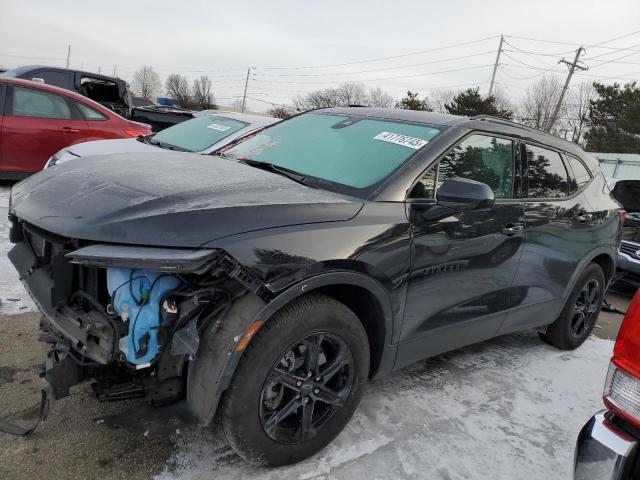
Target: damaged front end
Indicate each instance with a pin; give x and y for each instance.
(129, 318)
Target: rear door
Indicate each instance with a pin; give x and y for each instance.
(463, 265)
(559, 232)
(36, 125)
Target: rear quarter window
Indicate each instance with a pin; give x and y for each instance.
(89, 113)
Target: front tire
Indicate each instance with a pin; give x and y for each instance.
(298, 383)
(580, 313)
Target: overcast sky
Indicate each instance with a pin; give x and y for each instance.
(223, 38)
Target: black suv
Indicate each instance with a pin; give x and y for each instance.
(265, 285)
(111, 92)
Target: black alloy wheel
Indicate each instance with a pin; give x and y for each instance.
(580, 311)
(307, 385)
(586, 308)
(298, 382)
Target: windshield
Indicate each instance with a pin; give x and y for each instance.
(10, 73)
(198, 133)
(351, 152)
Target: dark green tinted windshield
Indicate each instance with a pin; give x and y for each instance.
(199, 133)
(353, 151)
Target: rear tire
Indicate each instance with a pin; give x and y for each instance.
(274, 413)
(580, 313)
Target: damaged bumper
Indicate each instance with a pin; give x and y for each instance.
(130, 318)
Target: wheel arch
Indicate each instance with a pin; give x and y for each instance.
(604, 257)
(210, 375)
(363, 295)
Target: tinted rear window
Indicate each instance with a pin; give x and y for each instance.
(547, 173)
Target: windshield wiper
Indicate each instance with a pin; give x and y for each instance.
(166, 146)
(285, 172)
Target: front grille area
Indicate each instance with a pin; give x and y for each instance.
(630, 249)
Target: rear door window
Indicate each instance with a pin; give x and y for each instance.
(580, 175)
(89, 113)
(546, 172)
(28, 102)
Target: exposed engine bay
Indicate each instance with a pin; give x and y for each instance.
(128, 318)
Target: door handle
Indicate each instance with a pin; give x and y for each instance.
(69, 130)
(511, 229)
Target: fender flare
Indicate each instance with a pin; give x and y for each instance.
(211, 373)
(586, 260)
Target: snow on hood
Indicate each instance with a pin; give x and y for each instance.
(169, 199)
(108, 147)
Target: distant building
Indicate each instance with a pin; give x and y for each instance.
(621, 166)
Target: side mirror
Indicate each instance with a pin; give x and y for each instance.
(461, 194)
(37, 80)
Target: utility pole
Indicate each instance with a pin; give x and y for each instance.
(114, 70)
(246, 84)
(495, 66)
(68, 55)
(572, 69)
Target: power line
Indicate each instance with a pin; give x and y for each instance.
(256, 79)
(420, 52)
(31, 58)
(615, 59)
(375, 69)
(592, 76)
(567, 43)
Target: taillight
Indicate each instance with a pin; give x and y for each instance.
(623, 216)
(622, 387)
(137, 133)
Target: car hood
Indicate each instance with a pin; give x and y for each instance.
(168, 199)
(107, 147)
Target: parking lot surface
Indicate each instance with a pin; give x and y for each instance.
(507, 408)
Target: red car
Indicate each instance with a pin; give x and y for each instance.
(609, 444)
(37, 120)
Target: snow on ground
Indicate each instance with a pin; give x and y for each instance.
(508, 408)
(13, 297)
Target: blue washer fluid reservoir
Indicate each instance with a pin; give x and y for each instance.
(140, 346)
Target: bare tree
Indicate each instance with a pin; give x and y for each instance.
(379, 98)
(318, 99)
(573, 122)
(236, 105)
(352, 93)
(279, 112)
(202, 95)
(178, 87)
(439, 98)
(346, 94)
(540, 99)
(146, 82)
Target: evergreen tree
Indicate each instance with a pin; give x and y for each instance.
(412, 102)
(614, 119)
(469, 103)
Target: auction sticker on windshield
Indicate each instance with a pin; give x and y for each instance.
(399, 139)
(217, 126)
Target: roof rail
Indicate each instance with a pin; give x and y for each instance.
(504, 121)
(507, 122)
